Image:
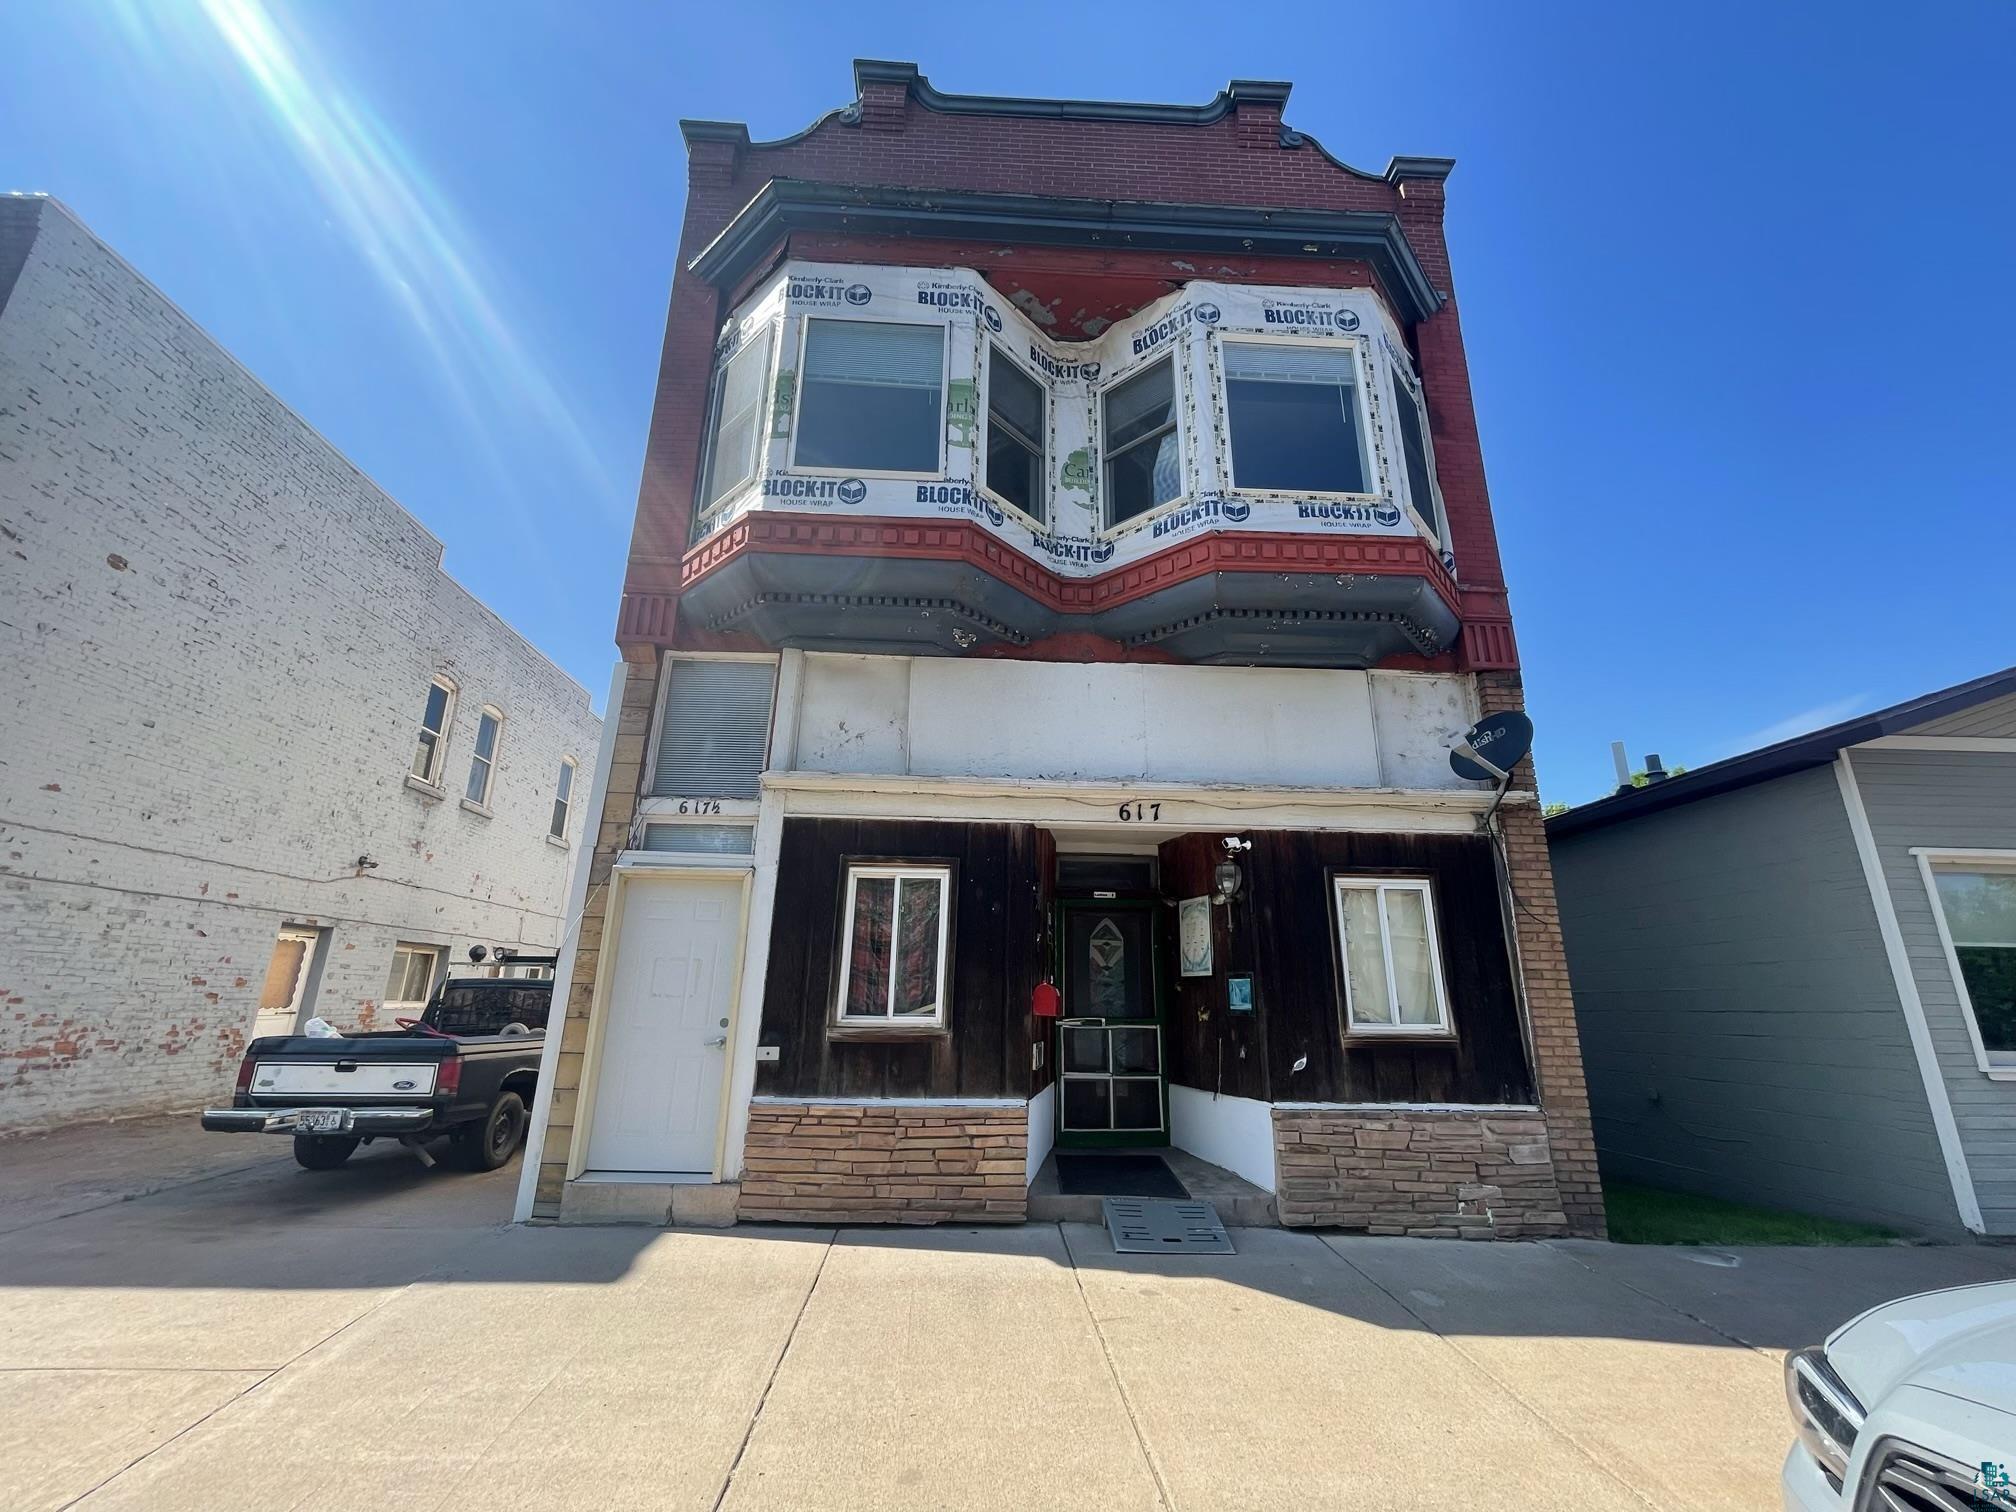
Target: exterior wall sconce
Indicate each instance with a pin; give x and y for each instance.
(1226, 874)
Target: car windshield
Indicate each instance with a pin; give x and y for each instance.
(489, 1005)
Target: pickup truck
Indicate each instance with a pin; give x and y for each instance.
(466, 1069)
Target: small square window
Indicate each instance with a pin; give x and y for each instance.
(892, 964)
(1144, 466)
(1015, 435)
(1296, 420)
(411, 979)
(1392, 959)
(871, 396)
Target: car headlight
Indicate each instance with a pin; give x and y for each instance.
(1824, 1411)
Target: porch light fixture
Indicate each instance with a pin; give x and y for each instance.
(1226, 874)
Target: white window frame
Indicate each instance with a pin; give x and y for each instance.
(1360, 365)
(571, 770)
(1341, 882)
(766, 411)
(900, 872)
(944, 398)
(1178, 376)
(481, 802)
(1407, 389)
(989, 345)
(416, 947)
(1998, 1065)
(438, 768)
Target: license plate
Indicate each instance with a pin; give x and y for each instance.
(321, 1121)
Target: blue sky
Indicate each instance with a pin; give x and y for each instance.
(1736, 284)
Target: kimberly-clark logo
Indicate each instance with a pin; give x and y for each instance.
(1089, 371)
(1386, 514)
(827, 292)
(814, 490)
(1209, 510)
(1207, 314)
(1300, 317)
(1075, 549)
(962, 497)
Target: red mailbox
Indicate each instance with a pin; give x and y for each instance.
(1045, 1001)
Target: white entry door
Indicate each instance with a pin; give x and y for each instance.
(284, 993)
(664, 1052)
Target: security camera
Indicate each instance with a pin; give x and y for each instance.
(1233, 845)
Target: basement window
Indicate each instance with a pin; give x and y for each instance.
(1391, 957)
(1295, 416)
(1015, 431)
(1143, 464)
(735, 434)
(1417, 451)
(412, 979)
(894, 936)
(871, 398)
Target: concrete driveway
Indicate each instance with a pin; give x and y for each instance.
(192, 1322)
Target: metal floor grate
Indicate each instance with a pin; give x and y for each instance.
(1155, 1226)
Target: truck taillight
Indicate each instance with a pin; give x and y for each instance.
(448, 1080)
(245, 1069)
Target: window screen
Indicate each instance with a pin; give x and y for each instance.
(1295, 418)
(714, 731)
(1142, 468)
(1014, 435)
(738, 422)
(871, 396)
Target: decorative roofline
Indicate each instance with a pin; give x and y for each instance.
(785, 205)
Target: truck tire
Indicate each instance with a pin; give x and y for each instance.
(491, 1143)
(323, 1152)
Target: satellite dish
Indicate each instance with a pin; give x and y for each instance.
(1492, 747)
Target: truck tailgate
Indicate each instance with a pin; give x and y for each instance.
(355, 1078)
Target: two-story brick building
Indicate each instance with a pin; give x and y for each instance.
(1062, 566)
(262, 759)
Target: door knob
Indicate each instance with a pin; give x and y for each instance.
(717, 1042)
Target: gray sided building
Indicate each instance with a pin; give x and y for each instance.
(1795, 970)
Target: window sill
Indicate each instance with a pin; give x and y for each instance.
(557, 843)
(1355, 1039)
(424, 788)
(887, 1033)
(476, 808)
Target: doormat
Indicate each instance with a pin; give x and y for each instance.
(1116, 1176)
(1144, 1227)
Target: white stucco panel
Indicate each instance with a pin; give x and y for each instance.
(1417, 713)
(853, 714)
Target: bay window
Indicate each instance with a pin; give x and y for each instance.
(1417, 452)
(1296, 421)
(1390, 956)
(735, 443)
(893, 946)
(1976, 902)
(871, 397)
(1015, 413)
(1143, 465)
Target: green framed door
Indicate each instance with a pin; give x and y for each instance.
(1110, 1086)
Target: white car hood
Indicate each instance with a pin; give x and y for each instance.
(1961, 1342)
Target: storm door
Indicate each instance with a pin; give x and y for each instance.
(1109, 1040)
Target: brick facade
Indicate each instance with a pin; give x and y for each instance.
(1455, 1175)
(894, 1163)
(220, 641)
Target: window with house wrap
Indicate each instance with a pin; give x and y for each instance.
(1015, 435)
(894, 922)
(1297, 424)
(871, 397)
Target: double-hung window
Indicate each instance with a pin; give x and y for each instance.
(1392, 961)
(563, 799)
(894, 925)
(1977, 902)
(1296, 419)
(411, 979)
(483, 761)
(1417, 451)
(1143, 463)
(1015, 403)
(736, 444)
(871, 397)
(433, 743)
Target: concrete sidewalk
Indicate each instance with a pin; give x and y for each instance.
(259, 1337)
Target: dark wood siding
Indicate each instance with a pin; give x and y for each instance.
(1293, 939)
(1210, 1047)
(998, 950)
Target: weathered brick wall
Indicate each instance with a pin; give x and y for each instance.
(1464, 1175)
(217, 645)
(612, 837)
(828, 1162)
(1550, 1004)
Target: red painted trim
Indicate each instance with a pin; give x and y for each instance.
(963, 541)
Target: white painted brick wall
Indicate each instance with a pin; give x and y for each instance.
(216, 637)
